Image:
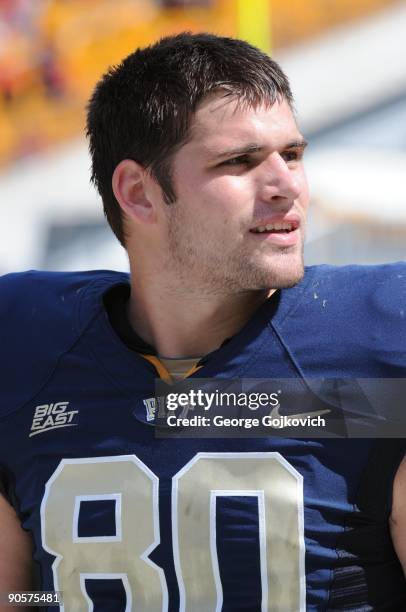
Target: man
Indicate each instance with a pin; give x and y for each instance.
(199, 162)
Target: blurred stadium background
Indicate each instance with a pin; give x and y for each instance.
(346, 62)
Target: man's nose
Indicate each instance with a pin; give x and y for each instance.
(281, 181)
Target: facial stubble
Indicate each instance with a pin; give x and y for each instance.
(210, 269)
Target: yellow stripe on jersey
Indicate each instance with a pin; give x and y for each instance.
(160, 368)
(172, 370)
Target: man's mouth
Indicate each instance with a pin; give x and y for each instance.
(280, 228)
(278, 232)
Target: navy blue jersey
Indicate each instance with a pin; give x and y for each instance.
(123, 520)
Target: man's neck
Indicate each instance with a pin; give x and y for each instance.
(182, 325)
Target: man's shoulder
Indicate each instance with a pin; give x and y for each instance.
(42, 285)
(367, 275)
(373, 290)
(58, 303)
(381, 287)
(353, 317)
(334, 290)
(42, 314)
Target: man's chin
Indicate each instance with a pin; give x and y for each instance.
(283, 274)
(286, 281)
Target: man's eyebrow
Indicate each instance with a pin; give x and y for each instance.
(300, 143)
(243, 150)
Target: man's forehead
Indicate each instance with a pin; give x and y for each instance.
(221, 120)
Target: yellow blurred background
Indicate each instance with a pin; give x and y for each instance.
(53, 51)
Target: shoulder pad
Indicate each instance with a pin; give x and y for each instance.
(349, 321)
(42, 314)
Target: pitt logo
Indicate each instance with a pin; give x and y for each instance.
(150, 408)
(52, 416)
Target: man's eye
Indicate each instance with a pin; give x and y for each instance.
(289, 156)
(236, 161)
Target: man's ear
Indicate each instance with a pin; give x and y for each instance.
(129, 187)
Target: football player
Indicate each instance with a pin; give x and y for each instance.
(199, 162)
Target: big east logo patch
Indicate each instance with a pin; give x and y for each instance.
(52, 416)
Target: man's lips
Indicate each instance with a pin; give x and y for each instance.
(279, 230)
(281, 223)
